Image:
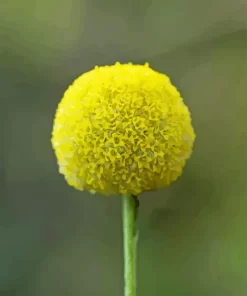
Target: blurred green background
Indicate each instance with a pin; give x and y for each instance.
(57, 241)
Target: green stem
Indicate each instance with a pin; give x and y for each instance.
(130, 207)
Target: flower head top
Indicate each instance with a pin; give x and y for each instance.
(122, 129)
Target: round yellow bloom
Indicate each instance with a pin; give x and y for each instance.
(122, 129)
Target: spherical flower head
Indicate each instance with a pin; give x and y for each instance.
(122, 129)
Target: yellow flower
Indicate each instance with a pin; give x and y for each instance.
(122, 129)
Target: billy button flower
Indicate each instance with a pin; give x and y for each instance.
(122, 129)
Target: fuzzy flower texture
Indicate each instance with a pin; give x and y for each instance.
(122, 129)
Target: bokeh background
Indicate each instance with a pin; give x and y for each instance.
(57, 241)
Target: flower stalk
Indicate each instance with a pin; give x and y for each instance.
(130, 209)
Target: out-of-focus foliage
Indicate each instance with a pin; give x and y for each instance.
(56, 241)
